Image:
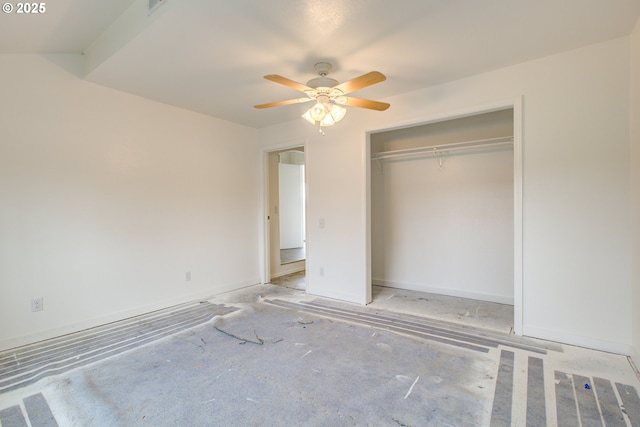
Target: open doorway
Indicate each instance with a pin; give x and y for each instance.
(446, 209)
(291, 206)
(286, 213)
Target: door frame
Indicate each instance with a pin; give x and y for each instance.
(264, 239)
(512, 103)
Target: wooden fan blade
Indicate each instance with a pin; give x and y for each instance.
(286, 102)
(287, 82)
(366, 103)
(360, 82)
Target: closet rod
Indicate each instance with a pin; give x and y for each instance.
(480, 143)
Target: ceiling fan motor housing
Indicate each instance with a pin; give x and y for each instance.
(322, 68)
(320, 82)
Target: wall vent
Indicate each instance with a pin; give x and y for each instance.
(153, 5)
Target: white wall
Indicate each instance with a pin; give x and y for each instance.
(634, 116)
(444, 224)
(107, 199)
(576, 189)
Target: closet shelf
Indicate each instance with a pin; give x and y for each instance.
(438, 149)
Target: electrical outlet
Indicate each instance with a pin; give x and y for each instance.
(37, 304)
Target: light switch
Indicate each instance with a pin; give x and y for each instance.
(321, 222)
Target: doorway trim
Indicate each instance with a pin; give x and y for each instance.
(264, 241)
(512, 103)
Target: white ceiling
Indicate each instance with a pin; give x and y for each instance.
(209, 56)
(66, 26)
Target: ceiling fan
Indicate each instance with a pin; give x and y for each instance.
(329, 95)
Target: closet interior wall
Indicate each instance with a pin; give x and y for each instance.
(443, 222)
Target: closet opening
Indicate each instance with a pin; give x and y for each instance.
(445, 218)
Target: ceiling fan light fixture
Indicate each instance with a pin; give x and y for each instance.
(324, 112)
(329, 95)
(307, 117)
(318, 112)
(336, 113)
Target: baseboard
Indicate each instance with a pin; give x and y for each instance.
(635, 360)
(345, 297)
(578, 341)
(444, 291)
(114, 317)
